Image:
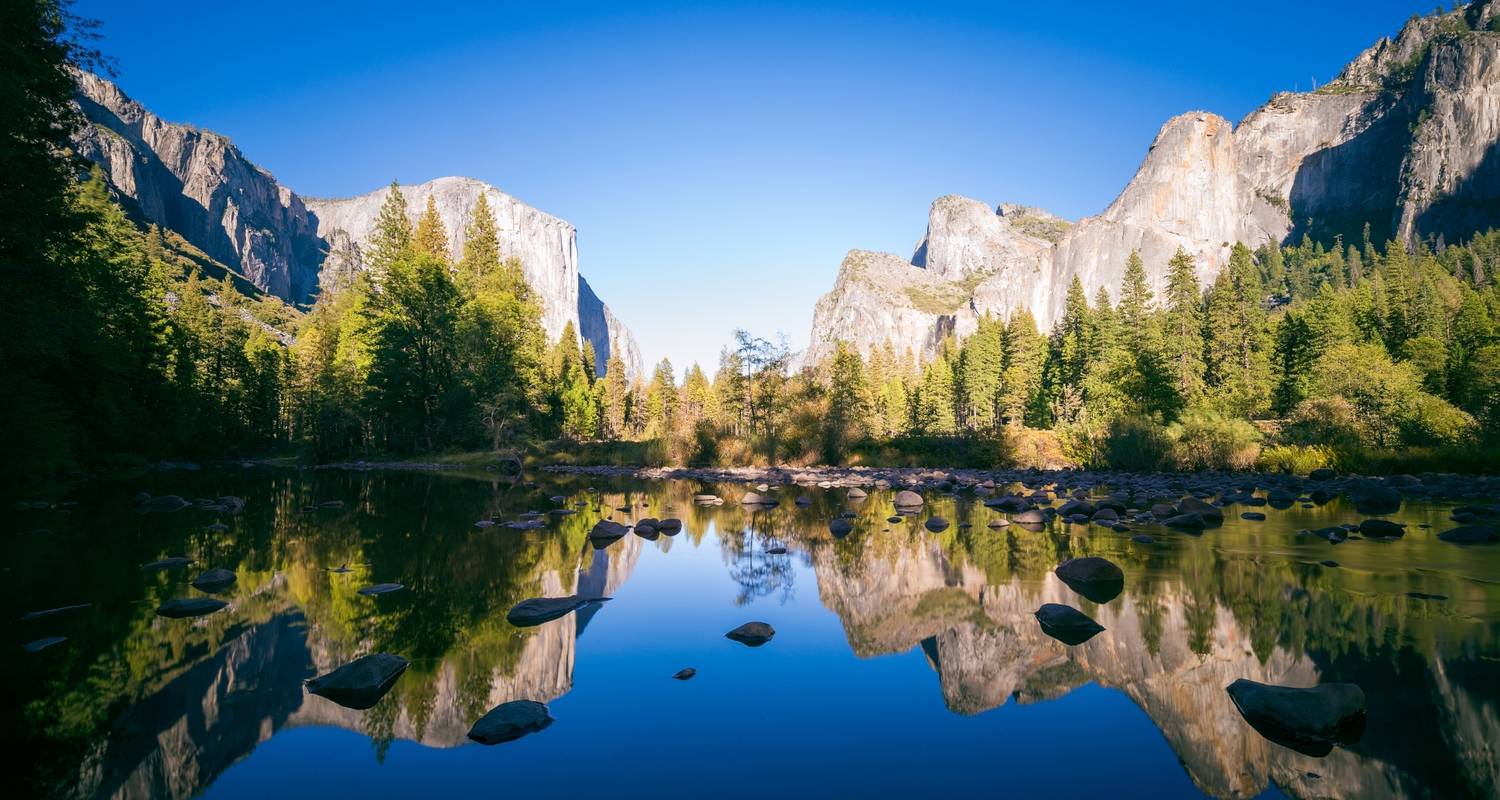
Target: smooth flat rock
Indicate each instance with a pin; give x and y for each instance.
(175, 562)
(508, 722)
(936, 524)
(1067, 624)
(1471, 534)
(752, 634)
(189, 607)
(606, 531)
(1310, 721)
(857, 493)
(537, 610)
(360, 683)
(685, 674)
(1253, 516)
(214, 580)
(375, 590)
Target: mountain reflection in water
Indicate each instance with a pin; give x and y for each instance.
(134, 705)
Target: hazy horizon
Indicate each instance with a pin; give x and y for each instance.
(719, 162)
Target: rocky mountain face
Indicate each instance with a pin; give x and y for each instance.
(1405, 139)
(200, 185)
(546, 246)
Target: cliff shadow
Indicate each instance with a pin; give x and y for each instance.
(1474, 206)
(1337, 190)
(593, 325)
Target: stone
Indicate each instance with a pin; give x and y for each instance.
(1371, 499)
(1141, 538)
(1471, 534)
(38, 645)
(1187, 522)
(752, 634)
(671, 526)
(685, 674)
(906, 498)
(538, 610)
(840, 527)
(32, 616)
(1097, 579)
(758, 499)
(1067, 624)
(936, 524)
(189, 607)
(1381, 528)
(1253, 516)
(377, 589)
(175, 562)
(360, 683)
(1426, 596)
(998, 522)
(856, 493)
(1310, 721)
(1031, 516)
(1322, 474)
(214, 581)
(508, 722)
(606, 531)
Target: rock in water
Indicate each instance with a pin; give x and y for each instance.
(753, 634)
(51, 612)
(537, 610)
(508, 722)
(378, 589)
(1067, 624)
(175, 562)
(1376, 500)
(671, 526)
(362, 682)
(1098, 579)
(936, 524)
(1031, 516)
(857, 493)
(1381, 528)
(606, 531)
(189, 607)
(1310, 721)
(685, 674)
(1471, 534)
(39, 645)
(840, 527)
(906, 498)
(214, 581)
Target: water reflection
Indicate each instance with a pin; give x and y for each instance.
(134, 705)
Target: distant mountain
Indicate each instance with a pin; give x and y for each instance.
(198, 184)
(1405, 139)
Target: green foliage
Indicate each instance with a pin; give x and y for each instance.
(1295, 459)
(1136, 443)
(1207, 440)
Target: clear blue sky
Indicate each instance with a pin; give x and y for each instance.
(719, 160)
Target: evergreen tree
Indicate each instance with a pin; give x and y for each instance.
(481, 245)
(429, 236)
(846, 397)
(392, 239)
(978, 374)
(1183, 341)
(1025, 358)
(616, 387)
(661, 401)
(934, 402)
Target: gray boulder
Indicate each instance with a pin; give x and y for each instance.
(936, 524)
(1098, 579)
(360, 683)
(214, 581)
(537, 610)
(752, 634)
(508, 722)
(1067, 624)
(906, 498)
(1310, 721)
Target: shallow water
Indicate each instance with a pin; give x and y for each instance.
(905, 662)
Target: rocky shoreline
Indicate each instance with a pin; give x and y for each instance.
(1317, 487)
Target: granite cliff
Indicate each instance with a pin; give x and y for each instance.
(198, 184)
(1405, 139)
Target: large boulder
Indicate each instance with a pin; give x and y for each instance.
(936, 524)
(758, 499)
(362, 682)
(752, 634)
(1098, 579)
(1471, 534)
(606, 531)
(1376, 499)
(1381, 528)
(906, 498)
(840, 527)
(1210, 513)
(1189, 521)
(1310, 721)
(1067, 624)
(508, 722)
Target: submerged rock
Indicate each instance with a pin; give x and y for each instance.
(214, 580)
(377, 589)
(360, 683)
(840, 527)
(936, 524)
(752, 634)
(189, 607)
(537, 610)
(685, 674)
(508, 722)
(1067, 624)
(1310, 721)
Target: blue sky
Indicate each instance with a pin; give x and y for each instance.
(719, 160)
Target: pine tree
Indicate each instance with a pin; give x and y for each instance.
(1025, 358)
(481, 245)
(616, 387)
(1183, 342)
(392, 239)
(661, 401)
(846, 394)
(934, 400)
(429, 236)
(978, 374)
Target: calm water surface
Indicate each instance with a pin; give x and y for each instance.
(905, 662)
